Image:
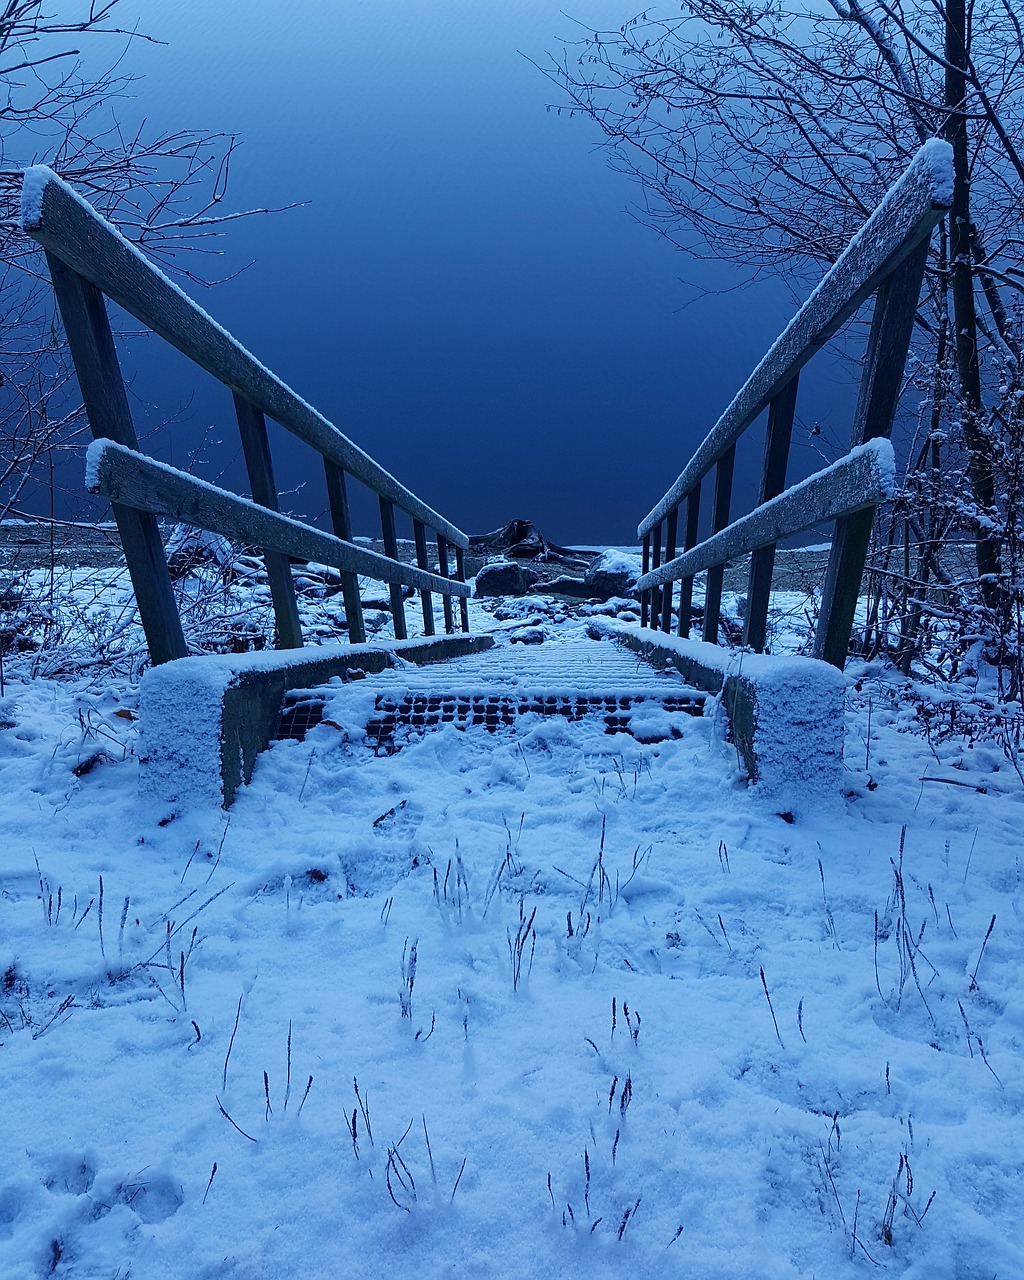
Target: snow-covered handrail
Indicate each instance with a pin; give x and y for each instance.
(90, 259)
(907, 215)
(865, 477)
(70, 229)
(136, 481)
(886, 258)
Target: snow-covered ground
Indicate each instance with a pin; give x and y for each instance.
(609, 1014)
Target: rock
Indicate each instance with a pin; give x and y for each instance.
(504, 578)
(612, 574)
(527, 635)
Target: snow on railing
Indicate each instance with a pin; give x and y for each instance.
(89, 259)
(887, 259)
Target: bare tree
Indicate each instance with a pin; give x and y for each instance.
(165, 190)
(765, 134)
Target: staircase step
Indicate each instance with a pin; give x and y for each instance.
(572, 678)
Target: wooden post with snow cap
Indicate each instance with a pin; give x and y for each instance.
(341, 520)
(773, 480)
(689, 542)
(670, 552)
(892, 326)
(719, 520)
(442, 569)
(655, 564)
(460, 573)
(252, 428)
(387, 523)
(87, 327)
(645, 565)
(419, 534)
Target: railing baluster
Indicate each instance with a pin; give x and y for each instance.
(655, 563)
(719, 520)
(252, 427)
(87, 327)
(670, 552)
(387, 524)
(460, 573)
(690, 541)
(442, 568)
(419, 534)
(645, 596)
(341, 519)
(892, 325)
(773, 481)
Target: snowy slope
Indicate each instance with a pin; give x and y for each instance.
(735, 1045)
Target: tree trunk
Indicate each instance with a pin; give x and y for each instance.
(965, 318)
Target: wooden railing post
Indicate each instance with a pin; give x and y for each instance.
(87, 327)
(670, 552)
(442, 568)
(686, 584)
(460, 573)
(387, 524)
(645, 596)
(773, 480)
(341, 520)
(419, 534)
(719, 520)
(892, 325)
(655, 563)
(252, 427)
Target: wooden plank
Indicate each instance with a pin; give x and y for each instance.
(106, 405)
(685, 616)
(442, 569)
(252, 427)
(645, 565)
(460, 573)
(863, 478)
(341, 522)
(891, 328)
(670, 551)
(419, 535)
(71, 230)
(777, 440)
(905, 218)
(719, 521)
(387, 525)
(655, 562)
(137, 481)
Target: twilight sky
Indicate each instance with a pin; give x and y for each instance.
(465, 295)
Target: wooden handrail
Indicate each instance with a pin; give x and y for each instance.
(133, 480)
(70, 229)
(89, 260)
(865, 477)
(886, 259)
(906, 216)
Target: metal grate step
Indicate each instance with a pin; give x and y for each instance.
(570, 678)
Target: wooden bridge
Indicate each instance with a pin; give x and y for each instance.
(204, 719)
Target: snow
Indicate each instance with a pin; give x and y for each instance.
(32, 187)
(786, 713)
(182, 711)
(615, 561)
(93, 461)
(937, 154)
(653, 878)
